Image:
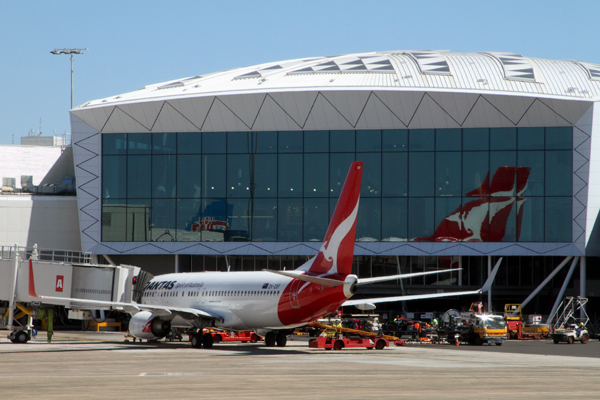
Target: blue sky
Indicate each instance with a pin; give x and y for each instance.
(136, 43)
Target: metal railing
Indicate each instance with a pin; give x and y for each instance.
(46, 256)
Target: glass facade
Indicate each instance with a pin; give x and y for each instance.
(488, 185)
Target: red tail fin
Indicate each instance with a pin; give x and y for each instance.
(337, 250)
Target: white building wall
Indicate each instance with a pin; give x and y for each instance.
(51, 222)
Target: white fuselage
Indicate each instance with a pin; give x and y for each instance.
(244, 300)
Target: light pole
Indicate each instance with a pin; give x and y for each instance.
(57, 52)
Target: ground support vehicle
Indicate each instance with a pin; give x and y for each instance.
(517, 329)
(484, 328)
(235, 336)
(337, 338)
(571, 335)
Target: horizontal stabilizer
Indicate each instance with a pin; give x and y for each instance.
(486, 286)
(368, 281)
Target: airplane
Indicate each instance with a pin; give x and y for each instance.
(270, 302)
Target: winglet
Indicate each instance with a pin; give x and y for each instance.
(490, 280)
(32, 292)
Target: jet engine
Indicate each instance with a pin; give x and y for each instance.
(146, 325)
(350, 285)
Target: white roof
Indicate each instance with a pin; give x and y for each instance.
(485, 72)
(36, 161)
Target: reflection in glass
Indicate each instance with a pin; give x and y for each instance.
(394, 223)
(448, 219)
(238, 177)
(289, 218)
(264, 142)
(138, 220)
(289, 181)
(239, 211)
(559, 138)
(138, 177)
(371, 178)
(316, 219)
(395, 140)
(189, 176)
(420, 218)
(113, 179)
(189, 214)
(138, 143)
(164, 176)
(420, 174)
(533, 184)
(164, 143)
(338, 170)
(530, 219)
(290, 142)
(368, 223)
(264, 175)
(189, 143)
(447, 174)
(558, 219)
(114, 143)
(559, 173)
(114, 220)
(316, 175)
(162, 217)
(475, 172)
(213, 170)
(394, 174)
(264, 222)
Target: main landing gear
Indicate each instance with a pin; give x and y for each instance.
(276, 337)
(198, 340)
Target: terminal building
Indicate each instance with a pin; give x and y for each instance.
(468, 157)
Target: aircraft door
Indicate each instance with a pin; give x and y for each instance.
(294, 289)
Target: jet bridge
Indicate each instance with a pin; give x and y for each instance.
(63, 274)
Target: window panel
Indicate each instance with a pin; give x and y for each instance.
(114, 220)
(316, 141)
(238, 214)
(448, 226)
(264, 223)
(189, 143)
(371, 178)
(214, 168)
(503, 173)
(503, 138)
(394, 174)
(289, 182)
(476, 139)
(448, 174)
(530, 138)
(339, 165)
(530, 219)
(163, 221)
(164, 143)
(420, 218)
(290, 142)
(238, 177)
(139, 143)
(316, 175)
(139, 223)
(139, 177)
(503, 219)
(420, 174)
(530, 174)
(368, 224)
(265, 175)
(114, 182)
(238, 142)
(164, 176)
(368, 140)
(114, 144)
(395, 140)
(475, 170)
(421, 139)
(264, 142)
(213, 142)
(475, 212)
(214, 222)
(189, 176)
(289, 220)
(559, 138)
(394, 223)
(316, 219)
(558, 223)
(448, 139)
(342, 141)
(189, 215)
(559, 173)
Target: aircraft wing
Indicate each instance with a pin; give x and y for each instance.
(368, 281)
(486, 286)
(131, 308)
(308, 278)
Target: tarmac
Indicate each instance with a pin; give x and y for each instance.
(94, 365)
